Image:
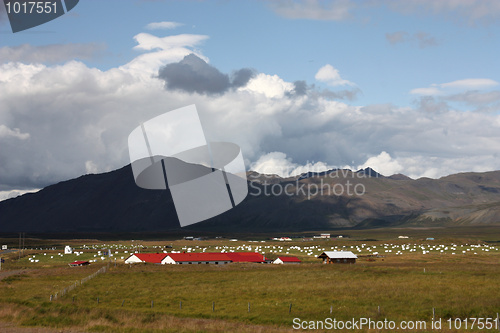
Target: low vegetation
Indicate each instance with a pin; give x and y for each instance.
(252, 297)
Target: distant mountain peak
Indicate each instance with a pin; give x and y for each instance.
(370, 173)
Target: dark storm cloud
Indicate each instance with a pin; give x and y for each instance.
(241, 77)
(300, 88)
(193, 74)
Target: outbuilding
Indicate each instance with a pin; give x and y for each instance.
(154, 258)
(79, 263)
(338, 257)
(287, 260)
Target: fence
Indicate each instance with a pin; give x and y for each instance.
(66, 290)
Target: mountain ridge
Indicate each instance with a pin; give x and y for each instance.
(111, 202)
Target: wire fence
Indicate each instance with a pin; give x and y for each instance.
(69, 288)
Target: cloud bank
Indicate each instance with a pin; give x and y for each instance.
(468, 12)
(61, 121)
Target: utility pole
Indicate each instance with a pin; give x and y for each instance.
(19, 245)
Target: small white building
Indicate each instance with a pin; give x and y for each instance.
(68, 249)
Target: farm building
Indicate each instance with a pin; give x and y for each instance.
(196, 258)
(246, 257)
(287, 260)
(79, 263)
(338, 257)
(154, 258)
(216, 258)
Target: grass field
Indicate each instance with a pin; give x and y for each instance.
(405, 283)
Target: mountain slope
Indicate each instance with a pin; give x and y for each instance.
(111, 202)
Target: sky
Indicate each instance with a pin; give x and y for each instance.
(408, 87)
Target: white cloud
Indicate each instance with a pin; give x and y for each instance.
(458, 85)
(277, 163)
(165, 50)
(335, 10)
(54, 53)
(470, 84)
(272, 86)
(331, 76)
(383, 164)
(431, 91)
(470, 12)
(15, 133)
(78, 119)
(4, 195)
(163, 25)
(91, 167)
(150, 42)
(423, 39)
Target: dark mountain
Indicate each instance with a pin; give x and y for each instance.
(335, 199)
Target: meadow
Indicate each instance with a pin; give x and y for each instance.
(410, 279)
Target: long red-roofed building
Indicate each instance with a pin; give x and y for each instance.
(197, 258)
(246, 257)
(216, 258)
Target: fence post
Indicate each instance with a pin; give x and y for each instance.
(152, 304)
(180, 305)
(433, 314)
(249, 307)
(331, 309)
(290, 309)
(213, 306)
(123, 302)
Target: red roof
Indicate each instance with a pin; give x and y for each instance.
(246, 257)
(78, 263)
(203, 256)
(154, 258)
(289, 259)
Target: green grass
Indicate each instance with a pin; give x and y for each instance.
(457, 286)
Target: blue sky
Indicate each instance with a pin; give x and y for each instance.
(405, 86)
(251, 34)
